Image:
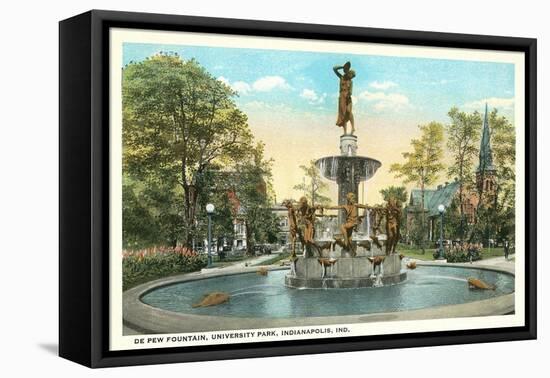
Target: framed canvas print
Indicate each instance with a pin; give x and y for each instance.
(233, 188)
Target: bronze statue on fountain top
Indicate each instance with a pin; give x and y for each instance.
(345, 113)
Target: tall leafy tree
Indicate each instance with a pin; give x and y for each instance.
(217, 190)
(423, 164)
(179, 121)
(313, 185)
(462, 142)
(498, 221)
(140, 228)
(397, 192)
(503, 141)
(254, 191)
(151, 214)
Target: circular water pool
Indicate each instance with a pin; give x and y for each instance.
(255, 296)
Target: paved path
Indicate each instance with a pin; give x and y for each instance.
(253, 261)
(497, 262)
(257, 260)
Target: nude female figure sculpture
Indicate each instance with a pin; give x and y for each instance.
(345, 113)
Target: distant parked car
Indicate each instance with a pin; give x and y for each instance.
(446, 243)
(262, 249)
(236, 252)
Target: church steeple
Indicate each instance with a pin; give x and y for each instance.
(485, 153)
(486, 171)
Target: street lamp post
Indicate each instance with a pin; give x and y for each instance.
(210, 210)
(441, 256)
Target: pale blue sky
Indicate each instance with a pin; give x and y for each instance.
(304, 81)
(290, 98)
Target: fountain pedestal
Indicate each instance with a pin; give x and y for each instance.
(348, 145)
(346, 272)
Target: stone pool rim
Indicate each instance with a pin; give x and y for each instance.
(147, 319)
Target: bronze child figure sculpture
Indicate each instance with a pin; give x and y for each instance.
(352, 219)
(305, 218)
(393, 223)
(292, 227)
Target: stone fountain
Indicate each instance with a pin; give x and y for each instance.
(355, 254)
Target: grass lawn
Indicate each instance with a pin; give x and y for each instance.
(228, 260)
(492, 252)
(417, 253)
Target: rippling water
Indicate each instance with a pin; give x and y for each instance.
(266, 296)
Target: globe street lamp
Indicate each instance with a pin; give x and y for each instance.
(441, 256)
(210, 210)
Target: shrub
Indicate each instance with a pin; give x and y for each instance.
(157, 262)
(462, 253)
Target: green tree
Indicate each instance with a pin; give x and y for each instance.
(415, 232)
(504, 153)
(498, 221)
(423, 165)
(140, 228)
(314, 187)
(453, 222)
(150, 214)
(255, 194)
(216, 190)
(397, 192)
(462, 142)
(178, 122)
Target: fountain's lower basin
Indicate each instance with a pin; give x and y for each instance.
(346, 272)
(430, 292)
(257, 298)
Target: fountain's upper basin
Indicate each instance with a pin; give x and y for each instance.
(343, 167)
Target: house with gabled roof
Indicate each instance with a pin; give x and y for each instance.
(444, 195)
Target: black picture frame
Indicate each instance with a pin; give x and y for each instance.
(84, 194)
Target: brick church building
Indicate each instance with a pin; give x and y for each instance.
(448, 194)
